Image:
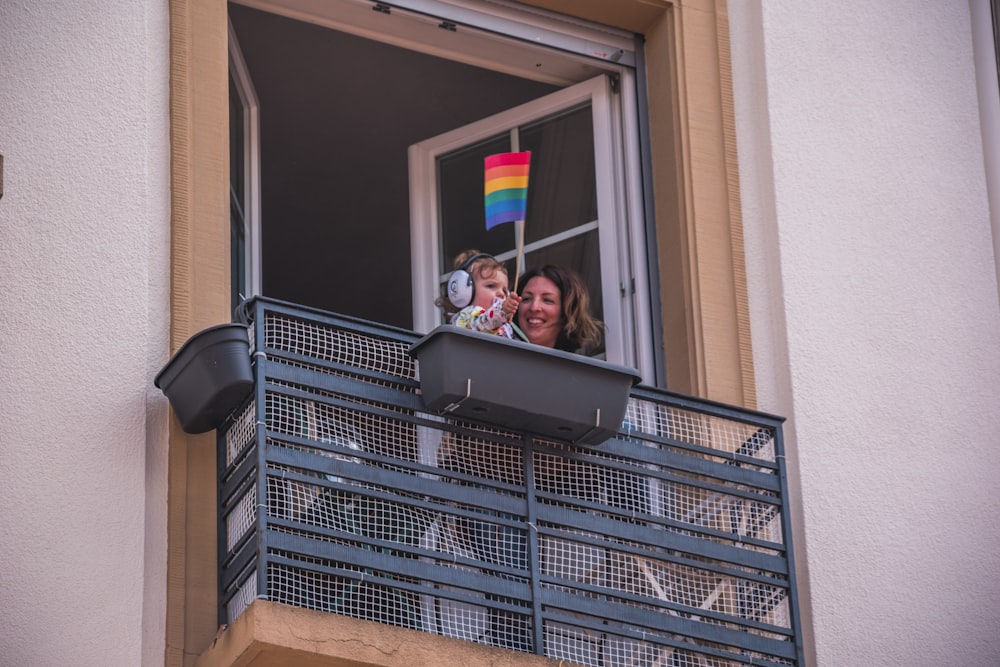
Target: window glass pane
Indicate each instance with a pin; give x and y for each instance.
(235, 141)
(237, 265)
(237, 230)
(561, 185)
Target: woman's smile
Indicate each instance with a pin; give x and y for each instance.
(540, 312)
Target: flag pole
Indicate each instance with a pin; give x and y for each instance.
(520, 251)
(519, 225)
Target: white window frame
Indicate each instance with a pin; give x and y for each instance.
(251, 164)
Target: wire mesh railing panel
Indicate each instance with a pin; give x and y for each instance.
(325, 585)
(595, 642)
(325, 343)
(658, 492)
(696, 588)
(244, 596)
(241, 518)
(714, 436)
(665, 545)
(240, 434)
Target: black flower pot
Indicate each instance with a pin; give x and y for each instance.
(521, 386)
(208, 377)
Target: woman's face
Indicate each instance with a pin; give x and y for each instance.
(540, 312)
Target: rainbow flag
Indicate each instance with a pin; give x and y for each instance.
(506, 187)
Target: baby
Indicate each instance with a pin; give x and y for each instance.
(478, 297)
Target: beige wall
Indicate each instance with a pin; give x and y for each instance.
(84, 309)
(872, 266)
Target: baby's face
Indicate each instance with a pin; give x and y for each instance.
(489, 285)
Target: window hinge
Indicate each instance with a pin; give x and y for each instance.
(382, 7)
(447, 25)
(615, 82)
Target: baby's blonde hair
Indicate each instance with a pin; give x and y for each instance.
(485, 266)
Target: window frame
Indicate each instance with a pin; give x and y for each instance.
(620, 222)
(249, 153)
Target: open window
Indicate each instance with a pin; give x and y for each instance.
(344, 90)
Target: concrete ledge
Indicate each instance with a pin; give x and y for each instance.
(269, 634)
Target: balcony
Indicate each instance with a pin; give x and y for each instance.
(342, 494)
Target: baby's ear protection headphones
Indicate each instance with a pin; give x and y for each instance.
(461, 285)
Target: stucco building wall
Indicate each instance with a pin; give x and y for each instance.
(84, 248)
(873, 300)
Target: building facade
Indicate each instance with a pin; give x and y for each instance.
(819, 186)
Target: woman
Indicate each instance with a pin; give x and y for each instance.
(555, 310)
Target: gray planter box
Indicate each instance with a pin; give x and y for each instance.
(208, 377)
(521, 386)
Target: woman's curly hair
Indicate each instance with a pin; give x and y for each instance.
(581, 331)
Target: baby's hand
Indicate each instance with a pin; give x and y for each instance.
(510, 304)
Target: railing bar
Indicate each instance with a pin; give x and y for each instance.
(448, 490)
(282, 357)
(283, 364)
(368, 575)
(260, 449)
(414, 418)
(471, 496)
(495, 517)
(383, 560)
(221, 449)
(786, 528)
(674, 478)
(431, 569)
(373, 457)
(354, 387)
(237, 551)
(534, 558)
(628, 530)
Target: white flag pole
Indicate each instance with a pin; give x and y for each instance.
(520, 251)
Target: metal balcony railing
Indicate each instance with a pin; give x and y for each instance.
(667, 545)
